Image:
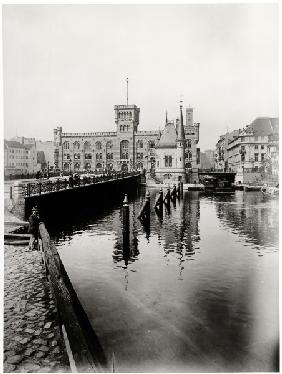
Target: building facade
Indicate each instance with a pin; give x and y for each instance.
(251, 152)
(174, 152)
(221, 156)
(125, 149)
(19, 158)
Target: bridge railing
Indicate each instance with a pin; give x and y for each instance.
(42, 187)
(214, 171)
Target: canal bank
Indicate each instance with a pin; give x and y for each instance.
(32, 338)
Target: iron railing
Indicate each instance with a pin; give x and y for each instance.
(42, 187)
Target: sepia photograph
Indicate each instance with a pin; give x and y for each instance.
(140, 187)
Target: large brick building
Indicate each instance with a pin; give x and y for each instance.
(125, 149)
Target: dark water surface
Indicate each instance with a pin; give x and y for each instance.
(197, 291)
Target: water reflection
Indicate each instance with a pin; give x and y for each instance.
(190, 293)
(253, 215)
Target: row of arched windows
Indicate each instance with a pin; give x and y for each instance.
(124, 128)
(86, 145)
(125, 115)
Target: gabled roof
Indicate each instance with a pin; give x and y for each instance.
(263, 126)
(168, 137)
(13, 144)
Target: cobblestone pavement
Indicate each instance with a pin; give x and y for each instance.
(32, 339)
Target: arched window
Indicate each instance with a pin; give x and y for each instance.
(188, 143)
(76, 146)
(99, 165)
(124, 145)
(110, 166)
(168, 161)
(109, 144)
(188, 165)
(66, 167)
(87, 166)
(139, 166)
(98, 145)
(189, 155)
(139, 144)
(87, 146)
(76, 166)
(66, 145)
(151, 144)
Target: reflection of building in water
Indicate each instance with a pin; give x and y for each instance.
(181, 234)
(252, 214)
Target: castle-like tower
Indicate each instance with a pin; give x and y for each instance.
(180, 148)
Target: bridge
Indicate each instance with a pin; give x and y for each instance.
(220, 175)
(63, 196)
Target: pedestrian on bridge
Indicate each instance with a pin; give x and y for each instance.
(33, 228)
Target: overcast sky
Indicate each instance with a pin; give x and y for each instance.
(67, 65)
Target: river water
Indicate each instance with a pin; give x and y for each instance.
(196, 291)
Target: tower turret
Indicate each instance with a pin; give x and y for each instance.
(180, 146)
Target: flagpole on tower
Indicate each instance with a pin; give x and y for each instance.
(126, 91)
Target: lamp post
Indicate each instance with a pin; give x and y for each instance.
(70, 164)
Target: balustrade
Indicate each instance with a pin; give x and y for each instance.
(38, 188)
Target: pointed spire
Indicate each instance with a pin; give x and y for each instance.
(166, 117)
(181, 134)
(127, 91)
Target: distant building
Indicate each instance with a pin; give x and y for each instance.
(208, 159)
(251, 152)
(19, 158)
(43, 151)
(221, 152)
(46, 156)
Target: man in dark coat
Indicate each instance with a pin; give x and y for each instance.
(33, 228)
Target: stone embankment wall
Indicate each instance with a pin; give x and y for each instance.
(86, 351)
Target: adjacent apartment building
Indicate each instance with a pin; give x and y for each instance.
(251, 152)
(26, 155)
(19, 158)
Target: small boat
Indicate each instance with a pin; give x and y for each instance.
(270, 190)
(212, 185)
(248, 188)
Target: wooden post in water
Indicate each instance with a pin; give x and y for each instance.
(125, 215)
(173, 193)
(181, 189)
(147, 202)
(125, 228)
(144, 213)
(167, 196)
(178, 191)
(159, 204)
